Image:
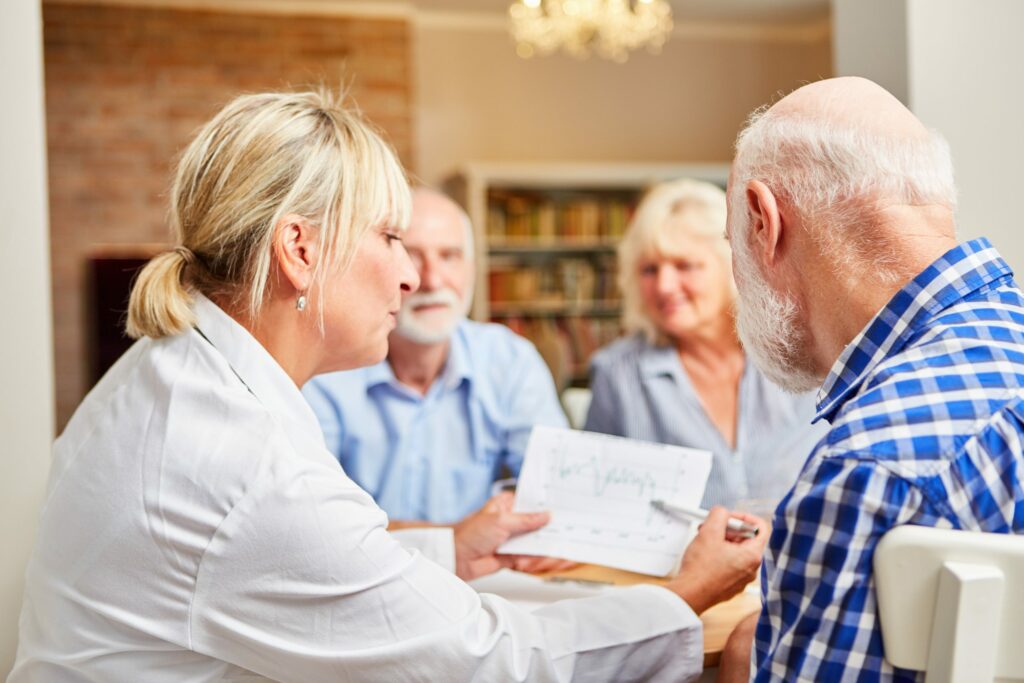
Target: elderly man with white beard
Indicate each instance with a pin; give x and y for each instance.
(851, 279)
(428, 430)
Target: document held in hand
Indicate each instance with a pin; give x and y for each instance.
(598, 489)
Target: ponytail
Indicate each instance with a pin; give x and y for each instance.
(160, 304)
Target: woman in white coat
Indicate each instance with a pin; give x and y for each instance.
(195, 526)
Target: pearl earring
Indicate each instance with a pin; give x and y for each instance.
(300, 303)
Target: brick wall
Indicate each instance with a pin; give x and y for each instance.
(126, 87)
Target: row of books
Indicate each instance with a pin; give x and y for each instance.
(567, 343)
(566, 280)
(517, 218)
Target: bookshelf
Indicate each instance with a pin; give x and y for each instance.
(546, 238)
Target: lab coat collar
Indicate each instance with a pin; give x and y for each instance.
(257, 369)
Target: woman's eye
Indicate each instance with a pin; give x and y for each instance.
(393, 237)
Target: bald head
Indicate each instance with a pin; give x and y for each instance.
(852, 163)
(852, 103)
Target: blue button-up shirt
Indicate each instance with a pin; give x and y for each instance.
(927, 413)
(435, 457)
(642, 391)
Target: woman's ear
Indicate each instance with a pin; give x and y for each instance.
(296, 251)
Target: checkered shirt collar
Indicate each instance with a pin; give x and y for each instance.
(960, 271)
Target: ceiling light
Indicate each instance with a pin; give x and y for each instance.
(611, 28)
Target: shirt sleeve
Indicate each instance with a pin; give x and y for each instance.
(819, 618)
(303, 583)
(604, 414)
(532, 400)
(318, 394)
(435, 543)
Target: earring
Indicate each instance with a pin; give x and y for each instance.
(300, 303)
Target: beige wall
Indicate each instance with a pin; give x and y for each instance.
(26, 350)
(966, 62)
(957, 64)
(869, 38)
(477, 101)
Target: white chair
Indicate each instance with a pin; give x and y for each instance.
(576, 401)
(951, 603)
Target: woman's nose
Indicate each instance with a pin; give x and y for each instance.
(667, 280)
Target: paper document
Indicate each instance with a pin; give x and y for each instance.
(598, 489)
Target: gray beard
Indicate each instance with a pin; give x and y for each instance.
(769, 327)
(414, 331)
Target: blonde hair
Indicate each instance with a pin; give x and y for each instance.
(262, 157)
(667, 214)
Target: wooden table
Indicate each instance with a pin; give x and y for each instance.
(719, 621)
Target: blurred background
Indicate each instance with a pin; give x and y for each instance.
(127, 84)
(102, 95)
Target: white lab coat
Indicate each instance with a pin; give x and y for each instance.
(196, 529)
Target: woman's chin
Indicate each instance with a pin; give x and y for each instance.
(679, 328)
(373, 356)
(365, 358)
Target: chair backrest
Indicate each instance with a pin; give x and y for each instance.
(951, 603)
(576, 401)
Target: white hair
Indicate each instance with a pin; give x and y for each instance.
(835, 175)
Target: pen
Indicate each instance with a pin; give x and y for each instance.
(737, 526)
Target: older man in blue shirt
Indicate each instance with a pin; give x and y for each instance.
(427, 431)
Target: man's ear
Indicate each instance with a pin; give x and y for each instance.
(295, 250)
(766, 225)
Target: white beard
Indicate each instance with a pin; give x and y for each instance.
(416, 328)
(769, 326)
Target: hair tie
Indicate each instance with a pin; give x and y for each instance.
(186, 254)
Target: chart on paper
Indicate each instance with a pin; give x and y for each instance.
(598, 489)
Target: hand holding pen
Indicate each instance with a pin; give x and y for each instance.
(718, 564)
(735, 526)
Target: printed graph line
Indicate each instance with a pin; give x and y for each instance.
(602, 476)
(658, 492)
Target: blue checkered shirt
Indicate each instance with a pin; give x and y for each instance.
(927, 414)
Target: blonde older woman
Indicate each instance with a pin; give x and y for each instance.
(682, 376)
(196, 528)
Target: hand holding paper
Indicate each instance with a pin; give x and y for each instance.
(598, 490)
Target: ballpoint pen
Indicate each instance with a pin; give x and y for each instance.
(737, 526)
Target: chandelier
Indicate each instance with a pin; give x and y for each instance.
(609, 27)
